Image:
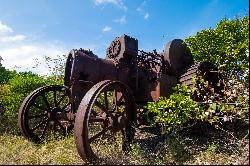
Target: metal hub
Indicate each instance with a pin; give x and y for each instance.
(55, 114)
(116, 122)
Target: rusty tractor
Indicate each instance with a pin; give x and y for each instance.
(102, 99)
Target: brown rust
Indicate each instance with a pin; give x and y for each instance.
(148, 74)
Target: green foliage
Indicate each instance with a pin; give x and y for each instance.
(0, 61)
(5, 75)
(232, 105)
(227, 46)
(18, 87)
(176, 110)
(180, 109)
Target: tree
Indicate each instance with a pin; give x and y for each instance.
(227, 46)
(6, 75)
(18, 87)
(56, 66)
(1, 61)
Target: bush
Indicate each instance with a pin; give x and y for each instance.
(181, 111)
(227, 46)
(14, 91)
(6, 75)
(176, 110)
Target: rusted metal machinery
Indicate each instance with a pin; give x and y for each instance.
(101, 98)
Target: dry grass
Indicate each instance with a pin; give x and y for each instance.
(185, 148)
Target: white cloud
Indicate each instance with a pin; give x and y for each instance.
(146, 16)
(15, 38)
(6, 34)
(20, 54)
(106, 29)
(121, 20)
(142, 11)
(139, 9)
(118, 3)
(4, 29)
(22, 57)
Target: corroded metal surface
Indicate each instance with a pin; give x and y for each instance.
(123, 48)
(205, 69)
(178, 55)
(190, 73)
(209, 73)
(143, 72)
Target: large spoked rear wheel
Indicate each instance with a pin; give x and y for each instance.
(44, 112)
(105, 121)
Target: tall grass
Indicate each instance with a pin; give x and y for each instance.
(182, 148)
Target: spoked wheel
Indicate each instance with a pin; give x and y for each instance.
(105, 121)
(44, 112)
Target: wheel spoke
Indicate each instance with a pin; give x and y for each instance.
(117, 104)
(115, 97)
(41, 123)
(37, 116)
(114, 109)
(119, 113)
(65, 106)
(98, 104)
(45, 101)
(63, 96)
(60, 125)
(54, 94)
(54, 127)
(106, 100)
(122, 113)
(39, 107)
(99, 134)
(94, 112)
(45, 129)
(119, 101)
(96, 119)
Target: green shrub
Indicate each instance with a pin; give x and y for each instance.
(5, 75)
(227, 46)
(176, 110)
(19, 87)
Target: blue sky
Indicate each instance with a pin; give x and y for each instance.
(30, 29)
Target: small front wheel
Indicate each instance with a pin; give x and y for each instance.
(44, 112)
